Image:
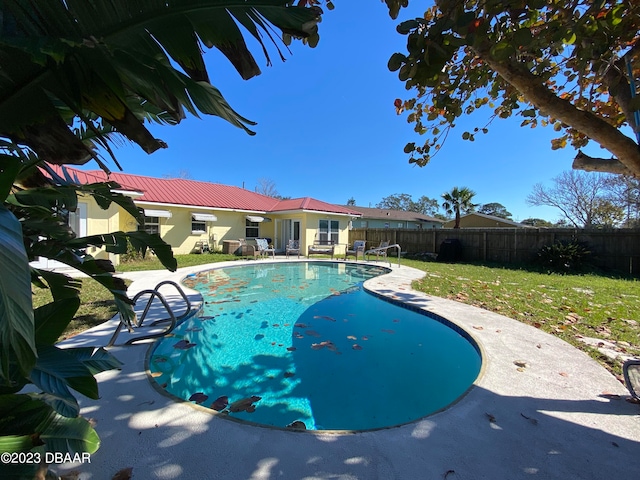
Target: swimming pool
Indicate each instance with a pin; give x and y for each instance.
(286, 344)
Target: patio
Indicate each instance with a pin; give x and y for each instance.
(539, 409)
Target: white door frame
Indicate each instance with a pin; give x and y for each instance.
(287, 231)
(78, 223)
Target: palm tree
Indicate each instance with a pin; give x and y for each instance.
(456, 200)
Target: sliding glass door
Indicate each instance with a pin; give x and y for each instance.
(289, 230)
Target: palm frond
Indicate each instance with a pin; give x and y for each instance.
(119, 60)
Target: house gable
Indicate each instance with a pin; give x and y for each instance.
(480, 220)
(387, 218)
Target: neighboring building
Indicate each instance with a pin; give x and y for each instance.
(184, 212)
(480, 220)
(383, 218)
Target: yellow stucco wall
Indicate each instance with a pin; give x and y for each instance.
(310, 230)
(101, 221)
(232, 225)
(229, 225)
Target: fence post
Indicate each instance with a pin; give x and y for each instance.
(484, 246)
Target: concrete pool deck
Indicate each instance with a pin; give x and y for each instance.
(540, 409)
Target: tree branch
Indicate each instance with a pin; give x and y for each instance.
(619, 87)
(591, 164)
(532, 89)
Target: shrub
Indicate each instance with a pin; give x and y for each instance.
(132, 254)
(564, 256)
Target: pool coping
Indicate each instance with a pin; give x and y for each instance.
(539, 407)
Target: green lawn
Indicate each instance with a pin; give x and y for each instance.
(96, 306)
(152, 263)
(568, 306)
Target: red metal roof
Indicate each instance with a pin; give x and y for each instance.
(84, 177)
(308, 203)
(179, 191)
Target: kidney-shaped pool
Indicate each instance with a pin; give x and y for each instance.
(303, 345)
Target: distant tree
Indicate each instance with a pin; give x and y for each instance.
(624, 191)
(495, 209)
(536, 222)
(569, 65)
(405, 202)
(607, 214)
(457, 200)
(266, 186)
(428, 206)
(351, 202)
(580, 196)
(397, 201)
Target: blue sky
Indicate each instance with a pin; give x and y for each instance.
(327, 128)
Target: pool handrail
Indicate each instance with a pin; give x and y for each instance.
(379, 250)
(153, 293)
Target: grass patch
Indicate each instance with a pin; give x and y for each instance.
(567, 306)
(96, 306)
(189, 260)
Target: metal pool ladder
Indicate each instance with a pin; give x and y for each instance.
(153, 293)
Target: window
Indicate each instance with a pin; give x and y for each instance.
(329, 230)
(363, 224)
(198, 226)
(400, 224)
(151, 225)
(251, 229)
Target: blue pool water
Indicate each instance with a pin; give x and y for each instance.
(304, 342)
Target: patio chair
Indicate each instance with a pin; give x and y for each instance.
(379, 251)
(246, 248)
(263, 248)
(201, 246)
(358, 248)
(631, 371)
(293, 246)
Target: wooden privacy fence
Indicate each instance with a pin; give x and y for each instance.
(617, 249)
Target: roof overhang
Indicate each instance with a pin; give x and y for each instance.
(320, 212)
(257, 218)
(148, 212)
(128, 193)
(204, 217)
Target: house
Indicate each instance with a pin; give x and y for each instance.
(480, 220)
(384, 218)
(184, 212)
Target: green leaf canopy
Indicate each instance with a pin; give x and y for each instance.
(16, 312)
(66, 59)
